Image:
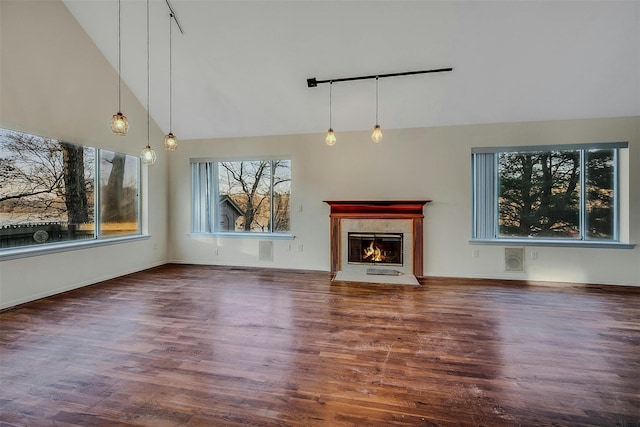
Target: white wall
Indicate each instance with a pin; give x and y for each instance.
(424, 163)
(55, 83)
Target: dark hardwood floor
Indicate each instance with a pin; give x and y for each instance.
(206, 346)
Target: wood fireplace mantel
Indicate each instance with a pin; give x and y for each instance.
(383, 209)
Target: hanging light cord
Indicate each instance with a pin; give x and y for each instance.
(171, 17)
(330, 115)
(376, 100)
(148, 78)
(119, 59)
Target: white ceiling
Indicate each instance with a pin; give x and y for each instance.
(240, 68)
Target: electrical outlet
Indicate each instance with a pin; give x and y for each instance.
(534, 254)
(475, 253)
(300, 247)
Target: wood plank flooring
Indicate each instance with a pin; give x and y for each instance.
(184, 345)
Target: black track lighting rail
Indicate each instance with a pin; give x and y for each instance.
(313, 82)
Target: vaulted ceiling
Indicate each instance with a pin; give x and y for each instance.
(240, 68)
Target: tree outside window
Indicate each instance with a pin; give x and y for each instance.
(541, 194)
(119, 194)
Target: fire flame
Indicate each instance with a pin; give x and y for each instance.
(373, 253)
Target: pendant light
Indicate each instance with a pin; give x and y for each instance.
(331, 137)
(376, 135)
(148, 155)
(119, 122)
(170, 141)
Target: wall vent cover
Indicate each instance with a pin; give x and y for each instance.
(265, 250)
(514, 259)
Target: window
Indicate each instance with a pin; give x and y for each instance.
(118, 194)
(247, 196)
(554, 193)
(48, 191)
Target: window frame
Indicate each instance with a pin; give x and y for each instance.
(98, 239)
(213, 213)
(485, 195)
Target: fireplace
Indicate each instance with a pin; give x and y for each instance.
(375, 249)
(401, 218)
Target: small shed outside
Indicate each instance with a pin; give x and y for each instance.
(229, 213)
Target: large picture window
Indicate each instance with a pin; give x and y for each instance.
(48, 192)
(547, 193)
(245, 196)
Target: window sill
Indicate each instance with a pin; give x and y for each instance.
(29, 251)
(248, 235)
(553, 243)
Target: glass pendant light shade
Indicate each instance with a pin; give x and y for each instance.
(170, 142)
(148, 156)
(331, 138)
(119, 124)
(376, 135)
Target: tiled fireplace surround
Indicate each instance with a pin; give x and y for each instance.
(404, 216)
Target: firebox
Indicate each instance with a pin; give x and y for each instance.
(375, 248)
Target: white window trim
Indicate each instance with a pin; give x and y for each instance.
(554, 243)
(245, 235)
(54, 248)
